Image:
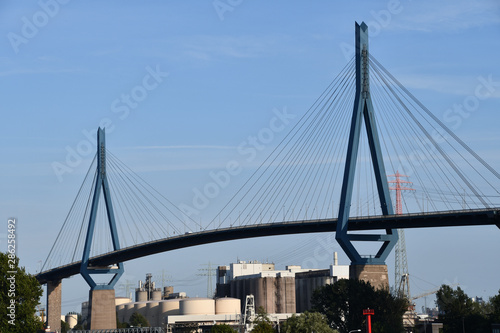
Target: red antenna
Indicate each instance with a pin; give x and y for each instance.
(398, 188)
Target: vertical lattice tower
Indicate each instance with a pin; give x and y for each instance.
(401, 275)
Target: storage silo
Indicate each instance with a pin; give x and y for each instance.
(71, 320)
(121, 312)
(169, 307)
(167, 291)
(152, 311)
(129, 311)
(122, 300)
(228, 305)
(141, 296)
(156, 295)
(140, 307)
(197, 306)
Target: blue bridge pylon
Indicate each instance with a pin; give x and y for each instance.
(101, 183)
(363, 110)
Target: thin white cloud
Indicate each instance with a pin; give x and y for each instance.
(450, 15)
(449, 84)
(23, 71)
(206, 47)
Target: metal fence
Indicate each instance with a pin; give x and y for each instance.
(124, 330)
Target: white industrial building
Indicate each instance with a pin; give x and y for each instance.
(278, 291)
(185, 311)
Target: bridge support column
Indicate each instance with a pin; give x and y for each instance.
(377, 275)
(102, 309)
(54, 291)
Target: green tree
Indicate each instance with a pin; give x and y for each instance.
(64, 327)
(222, 329)
(458, 312)
(495, 308)
(138, 320)
(21, 288)
(307, 322)
(119, 324)
(344, 301)
(262, 322)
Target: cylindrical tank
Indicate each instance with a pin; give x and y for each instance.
(169, 307)
(227, 305)
(121, 311)
(167, 291)
(152, 310)
(156, 296)
(129, 311)
(197, 306)
(85, 309)
(122, 300)
(140, 307)
(141, 296)
(71, 320)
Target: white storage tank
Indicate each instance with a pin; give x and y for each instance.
(122, 300)
(227, 305)
(169, 307)
(71, 320)
(197, 306)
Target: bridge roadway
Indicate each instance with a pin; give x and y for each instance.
(461, 218)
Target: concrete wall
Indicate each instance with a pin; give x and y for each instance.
(102, 309)
(54, 291)
(375, 274)
(306, 283)
(286, 295)
(275, 294)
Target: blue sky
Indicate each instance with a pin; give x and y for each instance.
(220, 73)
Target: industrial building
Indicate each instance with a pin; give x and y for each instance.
(147, 291)
(277, 291)
(241, 288)
(180, 312)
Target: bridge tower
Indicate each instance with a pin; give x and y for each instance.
(368, 268)
(102, 295)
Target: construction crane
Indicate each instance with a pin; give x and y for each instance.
(430, 292)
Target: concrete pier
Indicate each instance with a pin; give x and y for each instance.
(102, 309)
(54, 290)
(375, 274)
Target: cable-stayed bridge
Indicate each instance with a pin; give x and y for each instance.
(328, 174)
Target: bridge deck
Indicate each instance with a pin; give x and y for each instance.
(406, 221)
